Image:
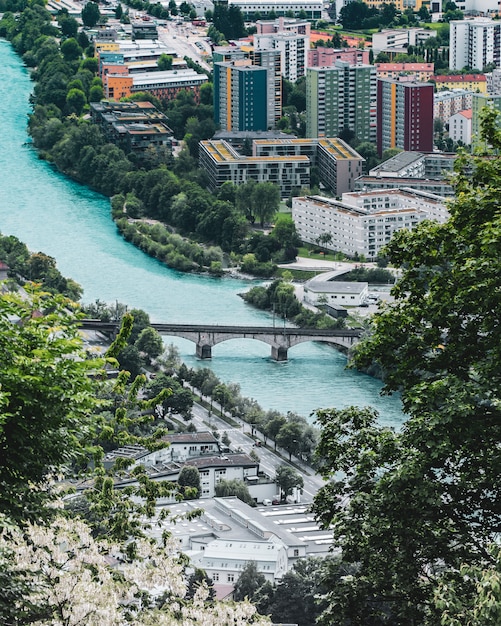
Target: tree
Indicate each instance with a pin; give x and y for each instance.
(75, 101)
(91, 14)
(265, 201)
(288, 479)
(69, 26)
(412, 508)
(234, 487)
(165, 62)
(41, 427)
(150, 343)
(248, 583)
(70, 49)
(299, 598)
(189, 478)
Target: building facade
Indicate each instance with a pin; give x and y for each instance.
(404, 116)
(261, 9)
(293, 48)
(474, 43)
(364, 222)
(341, 97)
(284, 162)
(448, 103)
(460, 127)
(479, 102)
(240, 96)
(327, 57)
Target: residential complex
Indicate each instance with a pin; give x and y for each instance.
(364, 222)
(404, 116)
(286, 163)
(474, 43)
(341, 97)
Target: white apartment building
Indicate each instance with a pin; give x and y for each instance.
(400, 38)
(478, 7)
(307, 9)
(293, 49)
(460, 127)
(364, 222)
(474, 43)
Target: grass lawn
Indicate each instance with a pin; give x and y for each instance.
(329, 256)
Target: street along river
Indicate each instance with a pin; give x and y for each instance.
(55, 215)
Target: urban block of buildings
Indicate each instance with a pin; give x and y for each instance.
(448, 103)
(362, 223)
(285, 162)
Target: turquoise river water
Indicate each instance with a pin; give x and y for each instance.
(55, 215)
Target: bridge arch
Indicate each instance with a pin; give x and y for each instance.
(205, 337)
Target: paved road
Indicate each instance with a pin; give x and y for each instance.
(183, 38)
(269, 461)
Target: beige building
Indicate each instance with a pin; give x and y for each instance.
(285, 162)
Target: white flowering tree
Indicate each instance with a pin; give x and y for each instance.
(76, 580)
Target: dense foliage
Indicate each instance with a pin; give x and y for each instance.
(414, 510)
(24, 266)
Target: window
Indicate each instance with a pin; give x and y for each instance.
(230, 578)
(215, 576)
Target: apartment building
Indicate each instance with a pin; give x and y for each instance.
(327, 57)
(479, 102)
(240, 96)
(133, 126)
(223, 163)
(364, 222)
(474, 43)
(448, 103)
(470, 82)
(261, 9)
(418, 72)
(400, 38)
(404, 116)
(341, 97)
(293, 48)
(460, 126)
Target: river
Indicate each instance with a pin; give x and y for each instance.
(55, 215)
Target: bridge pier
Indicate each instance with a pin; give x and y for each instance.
(204, 351)
(279, 353)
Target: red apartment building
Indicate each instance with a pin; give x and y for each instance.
(404, 116)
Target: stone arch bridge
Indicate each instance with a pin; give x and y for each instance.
(205, 337)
